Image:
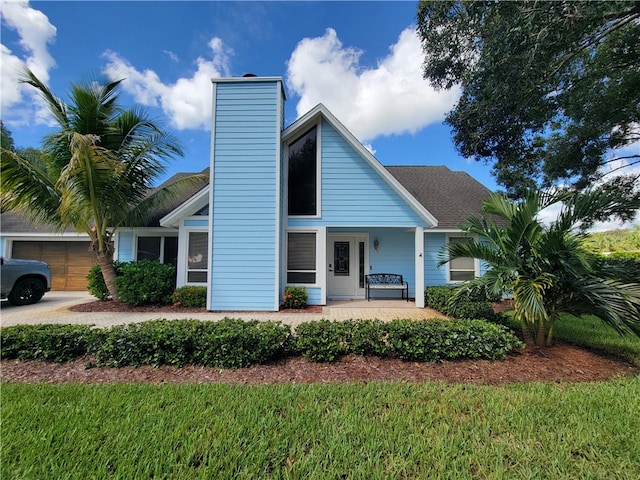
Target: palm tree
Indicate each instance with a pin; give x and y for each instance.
(97, 170)
(545, 267)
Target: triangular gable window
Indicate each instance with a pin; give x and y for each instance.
(303, 185)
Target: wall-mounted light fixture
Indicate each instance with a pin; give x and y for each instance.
(376, 244)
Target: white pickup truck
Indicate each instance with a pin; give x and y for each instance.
(24, 281)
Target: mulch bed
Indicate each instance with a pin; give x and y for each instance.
(560, 363)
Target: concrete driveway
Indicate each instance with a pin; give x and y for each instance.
(54, 308)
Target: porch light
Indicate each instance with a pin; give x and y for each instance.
(376, 244)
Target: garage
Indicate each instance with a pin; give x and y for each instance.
(70, 262)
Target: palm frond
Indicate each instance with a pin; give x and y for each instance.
(28, 189)
(55, 105)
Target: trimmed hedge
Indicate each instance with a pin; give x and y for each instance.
(190, 296)
(229, 343)
(146, 282)
(439, 298)
(95, 281)
(51, 342)
(234, 343)
(142, 282)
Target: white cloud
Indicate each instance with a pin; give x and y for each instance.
(172, 56)
(35, 33)
(186, 102)
(391, 98)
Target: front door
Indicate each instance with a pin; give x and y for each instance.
(346, 261)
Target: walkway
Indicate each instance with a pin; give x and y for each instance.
(54, 308)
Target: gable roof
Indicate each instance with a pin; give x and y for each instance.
(320, 110)
(449, 195)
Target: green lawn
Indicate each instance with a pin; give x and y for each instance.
(339, 431)
(367, 431)
(591, 332)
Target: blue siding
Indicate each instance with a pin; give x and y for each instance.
(126, 247)
(394, 255)
(432, 274)
(353, 194)
(314, 296)
(247, 129)
(196, 223)
(3, 243)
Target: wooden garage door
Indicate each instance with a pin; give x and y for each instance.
(70, 261)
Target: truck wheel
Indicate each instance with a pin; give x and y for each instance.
(26, 291)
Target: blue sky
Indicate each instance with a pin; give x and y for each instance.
(361, 59)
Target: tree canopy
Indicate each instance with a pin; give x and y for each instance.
(550, 91)
(97, 171)
(545, 267)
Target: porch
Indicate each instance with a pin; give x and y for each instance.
(385, 309)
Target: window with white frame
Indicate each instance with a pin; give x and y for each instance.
(464, 268)
(164, 249)
(303, 185)
(197, 257)
(301, 257)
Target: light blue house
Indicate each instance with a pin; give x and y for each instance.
(305, 205)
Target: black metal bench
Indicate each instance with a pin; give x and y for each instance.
(386, 281)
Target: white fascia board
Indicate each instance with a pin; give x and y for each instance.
(188, 208)
(251, 80)
(320, 110)
(71, 236)
(445, 230)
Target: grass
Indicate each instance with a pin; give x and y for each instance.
(354, 431)
(590, 332)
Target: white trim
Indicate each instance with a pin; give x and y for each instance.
(320, 240)
(321, 259)
(318, 127)
(278, 193)
(182, 271)
(476, 262)
(71, 236)
(154, 234)
(210, 195)
(251, 80)
(357, 237)
(419, 266)
(321, 111)
(188, 208)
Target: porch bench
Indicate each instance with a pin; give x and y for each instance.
(386, 281)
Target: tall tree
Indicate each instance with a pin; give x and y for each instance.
(97, 170)
(550, 89)
(7, 139)
(544, 266)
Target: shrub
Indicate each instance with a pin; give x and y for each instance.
(190, 296)
(437, 297)
(229, 343)
(95, 281)
(627, 267)
(321, 340)
(474, 306)
(434, 340)
(366, 337)
(146, 282)
(52, 342)
(234, 343)
(156, 342)
(294, 297)
(475, 310)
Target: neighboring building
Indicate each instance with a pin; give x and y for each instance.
(305, 205)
